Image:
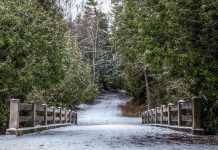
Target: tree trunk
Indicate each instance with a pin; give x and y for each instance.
(147, 88)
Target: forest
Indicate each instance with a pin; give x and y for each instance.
(158, 50)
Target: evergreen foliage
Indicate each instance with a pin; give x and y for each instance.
(39, 59)
(176, 41)
(91, 29)
(159, 50)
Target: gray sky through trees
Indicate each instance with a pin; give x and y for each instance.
(106, 5)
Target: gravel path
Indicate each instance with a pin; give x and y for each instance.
(101, 127)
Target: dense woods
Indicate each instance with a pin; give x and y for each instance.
(91, 29)
(169, 50)
(158, 50)
(39, 58)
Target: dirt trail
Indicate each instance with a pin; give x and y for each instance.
(101, 127)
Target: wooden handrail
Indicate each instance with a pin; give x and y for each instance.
(33, 115)
(169, 115)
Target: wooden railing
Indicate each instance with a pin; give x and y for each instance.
(34, 115)
(184, 114)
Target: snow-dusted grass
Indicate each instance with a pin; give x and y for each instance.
(102, 128)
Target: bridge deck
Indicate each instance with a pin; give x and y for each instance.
(101, 127)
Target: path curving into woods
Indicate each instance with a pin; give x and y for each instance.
(101, 127)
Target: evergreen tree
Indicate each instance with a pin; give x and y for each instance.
(38, 57)
(91, 29)
(175, 41)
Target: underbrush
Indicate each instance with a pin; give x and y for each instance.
(132, 109)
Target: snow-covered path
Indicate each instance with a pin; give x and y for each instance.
(105, 111)
(101, 127)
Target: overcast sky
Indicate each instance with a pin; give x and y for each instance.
(73, 7)
(106, 5)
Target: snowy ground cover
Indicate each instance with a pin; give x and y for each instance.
(101, 127)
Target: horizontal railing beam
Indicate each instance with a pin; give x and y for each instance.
(32, 114)
(183, 113)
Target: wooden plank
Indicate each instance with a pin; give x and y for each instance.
(158, 115)
(57, 111)
(50, 118)
(187, 106)
(39, 118)
(39, 108)
(174, 118)
(165, 118)
(50, 110)
(25, 119)
(174, 108)
(25, 106)
(187, 118)
(165, 109)
(57, 118)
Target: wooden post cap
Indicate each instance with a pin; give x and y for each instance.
(170, 104)
(181, 101)
(15, 100)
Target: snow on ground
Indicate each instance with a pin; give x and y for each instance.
(105, 111)
(101, 127)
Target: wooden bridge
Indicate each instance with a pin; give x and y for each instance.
(185, 116)
(101, 127)
(30, 117)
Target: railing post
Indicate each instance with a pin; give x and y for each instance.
(149, 115)
(33, 113)
(153, 115)
(161, 114)
(72, 120)
(14, 113)
(70, 112)
(155, 121)
(142, 115)
(196, 113)
(65, 115)
(180, 112)
(75, 118)
(60, 114)
(69, 115)
(169, 113)
(45, 114)
(54, 115)
(145, 117)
